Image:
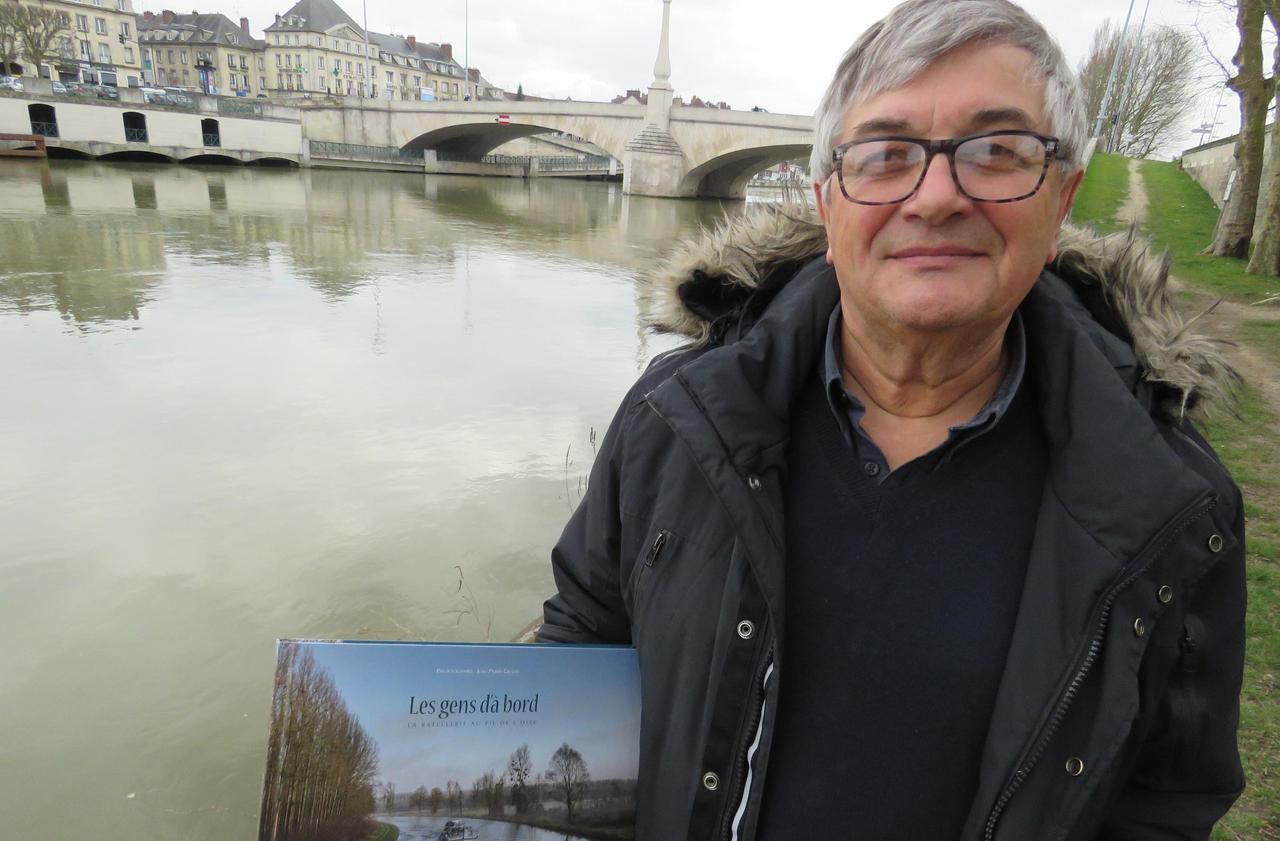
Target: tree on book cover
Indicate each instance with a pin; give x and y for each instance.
(374, 741)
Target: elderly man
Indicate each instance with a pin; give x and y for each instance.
(916, 540)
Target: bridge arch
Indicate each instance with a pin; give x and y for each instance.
(472, 141)
(725, 176)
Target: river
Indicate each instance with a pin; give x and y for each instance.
(243, 404)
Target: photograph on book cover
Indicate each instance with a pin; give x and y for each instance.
(451, 742)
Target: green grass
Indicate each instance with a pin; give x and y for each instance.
(1249, 447)
(1180, 219)
(1105, 187)
(384, 832)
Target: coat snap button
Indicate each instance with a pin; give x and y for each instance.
(711, 781)
(753, 482)
(1215, 543)
(746, 629)
(1165, 594)
(1139, 627)
(1075, 766)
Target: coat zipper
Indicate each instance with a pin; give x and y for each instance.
(1146, 558)
(744, 752)
(651, 558)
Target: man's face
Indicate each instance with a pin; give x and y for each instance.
(939, 260)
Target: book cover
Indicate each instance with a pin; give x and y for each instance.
(381, 741)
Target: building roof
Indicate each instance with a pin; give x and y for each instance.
(313, 16)
(212, 29)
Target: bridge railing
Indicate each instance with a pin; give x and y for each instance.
(353, 151)
(572, 163)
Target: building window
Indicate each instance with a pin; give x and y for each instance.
(348, 68)
(320, 64)
(391, 78)
(183, 56)
(261, 64)
(100, 26)
(97, 2)
(86, 51)
(120, 5)
(82, 23)
(128, 55)
(295, 38)
(279, 63)
(171, 56)
(244, 62)
(124, 30)
(262, 83)
(231, 62)
(186, 76)
(360, 68)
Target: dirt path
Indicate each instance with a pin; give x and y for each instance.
(1223, 322)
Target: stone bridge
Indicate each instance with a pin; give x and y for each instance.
(700, 152)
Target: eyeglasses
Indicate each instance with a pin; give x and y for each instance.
(996, 166)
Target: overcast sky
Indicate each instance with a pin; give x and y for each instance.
(777, 54)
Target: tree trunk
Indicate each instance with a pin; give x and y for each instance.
(1266, 253)
(1235, 225)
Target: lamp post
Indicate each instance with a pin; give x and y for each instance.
(1111, 79)
(466, 49)
(367, 64)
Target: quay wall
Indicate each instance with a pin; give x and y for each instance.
(1211, 166)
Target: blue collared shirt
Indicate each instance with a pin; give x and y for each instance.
(849, 410)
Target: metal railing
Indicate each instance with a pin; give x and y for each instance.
(456, 157)
(572, 163)
(227, 105)
(42, 128)
(351, 151)
(135, 135)
(214, 139)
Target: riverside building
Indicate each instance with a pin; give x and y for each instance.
(204, 52)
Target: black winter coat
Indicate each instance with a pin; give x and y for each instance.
(1116, 715)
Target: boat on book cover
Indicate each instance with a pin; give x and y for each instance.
(374, 741)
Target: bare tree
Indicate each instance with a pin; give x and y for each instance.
(1266, 252)
(437, 798)
(8, 35)
(1158, 97)
(389, 796)
(519, 769)
(568, 776)
(1255, 89)
(38, 30)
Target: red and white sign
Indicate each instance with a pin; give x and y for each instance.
(504, 119)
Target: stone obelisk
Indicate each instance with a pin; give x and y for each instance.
(654, 161)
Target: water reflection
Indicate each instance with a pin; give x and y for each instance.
(244, 404)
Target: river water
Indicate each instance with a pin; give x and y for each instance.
(242, 404)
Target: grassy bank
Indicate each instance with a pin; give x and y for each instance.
(1105, 187)
(1181, 218)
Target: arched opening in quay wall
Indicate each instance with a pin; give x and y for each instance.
(44, 119)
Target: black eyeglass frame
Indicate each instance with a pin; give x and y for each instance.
(947, 146)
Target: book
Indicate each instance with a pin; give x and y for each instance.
(451, 741)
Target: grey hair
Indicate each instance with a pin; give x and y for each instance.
(900, 46)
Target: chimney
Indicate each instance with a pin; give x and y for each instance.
(634, 94)
(473, 74)
(244, 25)
(447, 51)
(167, 16)
(411, 41)
(148, 16)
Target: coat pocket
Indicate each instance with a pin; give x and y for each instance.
(649, 558)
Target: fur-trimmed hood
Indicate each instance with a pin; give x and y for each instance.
(725, 275)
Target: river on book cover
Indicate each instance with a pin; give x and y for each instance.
(451, 742)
